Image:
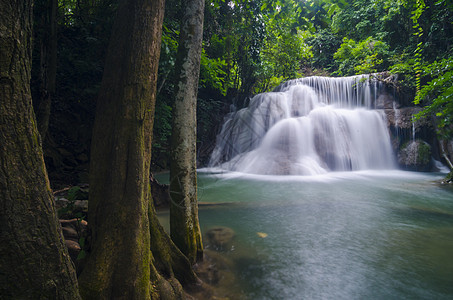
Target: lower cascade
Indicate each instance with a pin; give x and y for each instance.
(307, 126)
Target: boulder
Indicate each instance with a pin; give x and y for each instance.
(220, 238)
(415, 156)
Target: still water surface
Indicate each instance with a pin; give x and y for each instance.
(354, 235)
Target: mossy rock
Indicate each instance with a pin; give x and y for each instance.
(415, 156)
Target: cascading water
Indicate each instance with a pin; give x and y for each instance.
(307, 126)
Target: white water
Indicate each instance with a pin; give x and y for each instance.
(308, 126)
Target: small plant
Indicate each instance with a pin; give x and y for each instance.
(82, 254)
(70, 206)
(70, 209)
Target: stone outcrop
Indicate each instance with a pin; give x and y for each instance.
(415, 156)
(415, 143)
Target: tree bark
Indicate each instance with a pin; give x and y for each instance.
(130, 256)
(34, 262)
(184, 224)
(47, 37)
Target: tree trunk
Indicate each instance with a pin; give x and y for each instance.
(47, 37)
(184, 225)
(34, 262)
(129, 250)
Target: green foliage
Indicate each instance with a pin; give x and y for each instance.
(212, 74)
(403, 66)
(416, 14)
(282, 55)
(252, 46)
(70, 210)
(437, 95)
(449, 177)
(367, 56)
(206, 108)
(382, 19)
(82, 254)
(324, 44)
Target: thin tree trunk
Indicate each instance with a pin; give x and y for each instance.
(184, 225)
(130, 257)
(34, 262)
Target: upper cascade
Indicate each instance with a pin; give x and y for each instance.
(352, 91)
(307, 126)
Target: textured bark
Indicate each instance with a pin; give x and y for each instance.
(129, 250)
(184, 225)
(34, 262)
(47, 37)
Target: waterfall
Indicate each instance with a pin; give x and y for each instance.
(396, 116)
(307, 126)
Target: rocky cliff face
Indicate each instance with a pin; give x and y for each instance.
(415, 143)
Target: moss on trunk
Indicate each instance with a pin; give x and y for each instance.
(184, 225)
(131, 256)
(34, 262)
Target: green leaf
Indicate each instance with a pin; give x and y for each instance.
(82, 255)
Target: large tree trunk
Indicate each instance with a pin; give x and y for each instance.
(184, 225)
(124, 226)
(47, 38)
(34, 262)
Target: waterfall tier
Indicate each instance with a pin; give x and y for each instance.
(307, 126)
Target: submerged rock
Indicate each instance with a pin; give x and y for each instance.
(218, 271)
(220, 238)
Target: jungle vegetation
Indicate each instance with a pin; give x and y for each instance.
(250, 47)
(57, 76)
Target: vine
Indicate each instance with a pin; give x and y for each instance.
(419, 9)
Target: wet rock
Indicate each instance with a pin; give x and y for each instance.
(415, 156)
(75, 235)
(82, 204)
(385, 101)
(61, 202)
(73, 249)
(70, 233)
(80, 226)
(220, 238)
(402, 118)
(74, 229)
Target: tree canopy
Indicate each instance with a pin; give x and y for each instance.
(251, 46)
